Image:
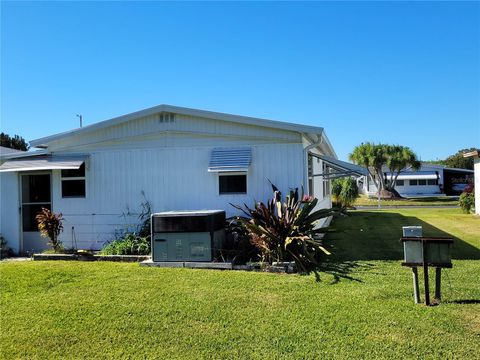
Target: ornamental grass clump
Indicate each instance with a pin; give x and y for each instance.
(286, 230)
(50, 226)
(345, 192)
(130, 244)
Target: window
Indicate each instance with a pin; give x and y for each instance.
(413, 182)
(232, 183)
(310, 175)
(400, 182)
(432, 182)
(326, 182)
(422, 182)
(73, 182)
(167, 118)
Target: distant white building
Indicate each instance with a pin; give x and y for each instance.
(176, 158)
(429, 180)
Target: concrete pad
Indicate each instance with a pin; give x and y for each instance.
(208, 265)
(164, 264)
(242, 267)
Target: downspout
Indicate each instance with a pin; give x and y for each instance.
(305, 160)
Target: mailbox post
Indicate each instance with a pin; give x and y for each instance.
(425, 252)
(413, 231)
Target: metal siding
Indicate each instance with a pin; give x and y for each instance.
(151, 125)
(172, 179)
(476, 167)
(9, 210)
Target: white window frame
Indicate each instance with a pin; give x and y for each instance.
(327, 185)
(84, 178)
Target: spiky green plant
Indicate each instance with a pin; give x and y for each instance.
(286, 230)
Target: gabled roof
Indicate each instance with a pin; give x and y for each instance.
(42, 142)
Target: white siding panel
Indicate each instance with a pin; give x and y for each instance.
(171, 179)
(476, 167)
(151, 125)
(9, 213)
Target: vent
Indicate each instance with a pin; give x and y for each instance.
(167, 117)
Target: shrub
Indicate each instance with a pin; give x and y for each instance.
(285, 230)
(345, 192)
(5, 251)
(131, 244)
(336, 188)
(467, 202)
(238, 247)
(50, 226)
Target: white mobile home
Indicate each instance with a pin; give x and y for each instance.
(429, 180)
(175, 158)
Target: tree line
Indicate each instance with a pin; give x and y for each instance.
(456, 160)
(13, 142)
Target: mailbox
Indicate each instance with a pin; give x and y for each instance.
(436, 251)
(412, 231)
(423, 252)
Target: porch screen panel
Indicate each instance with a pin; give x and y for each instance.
(36, 194)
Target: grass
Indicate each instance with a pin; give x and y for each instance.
(374, 235)
(117, 310)
(363, 200)
(120, 310)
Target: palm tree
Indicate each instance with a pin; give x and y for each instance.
(375, 156)
(372, 157)
(398, 159)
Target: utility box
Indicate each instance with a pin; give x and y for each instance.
(436, 251)
(187, 235)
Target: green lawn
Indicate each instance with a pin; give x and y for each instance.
(375, 235)
(362, 308)
(363, 200)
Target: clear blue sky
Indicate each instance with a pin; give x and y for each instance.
(393, 72)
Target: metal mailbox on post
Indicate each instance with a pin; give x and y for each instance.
(420, 251)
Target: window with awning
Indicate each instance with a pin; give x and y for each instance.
(230, 159)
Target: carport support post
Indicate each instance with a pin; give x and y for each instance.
(416, 288)
(438, 283)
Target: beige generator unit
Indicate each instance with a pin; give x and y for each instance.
(187, 235)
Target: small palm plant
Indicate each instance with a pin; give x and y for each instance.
(50, 226)
(286, 230)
